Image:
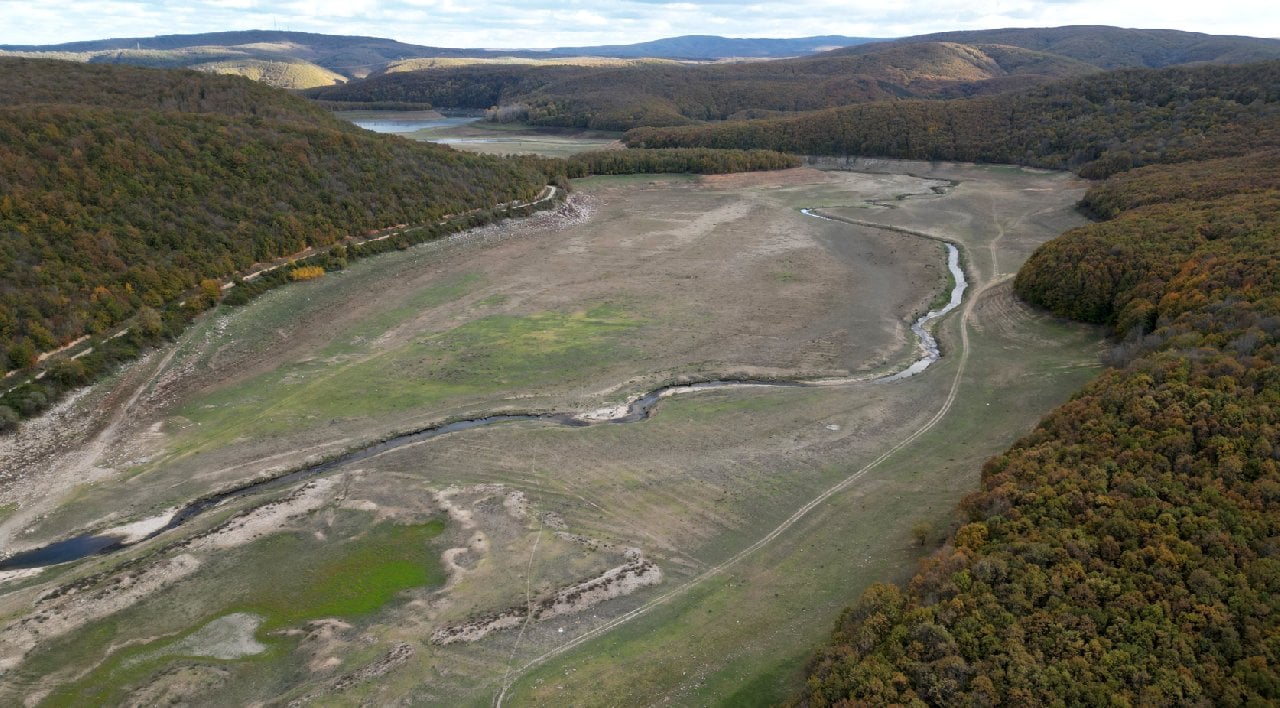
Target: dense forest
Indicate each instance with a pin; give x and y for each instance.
(664, 94)
(950, 65)
(27, 82)
(1127, 551)
(174, 178)
(1096, 125)
(137, 208)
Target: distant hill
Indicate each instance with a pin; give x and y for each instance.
(701, 46)
(1117, 47)
(619, 98)
(287, 74)
(297, 59)
(430, 63)
(310, 40)
(946, 65)
(305, 59)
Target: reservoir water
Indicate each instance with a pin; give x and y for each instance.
(398, 123)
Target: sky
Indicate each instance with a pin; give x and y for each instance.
(550, 23)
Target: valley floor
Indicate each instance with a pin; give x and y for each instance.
(661, 560)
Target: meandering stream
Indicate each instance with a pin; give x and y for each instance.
(637, 408)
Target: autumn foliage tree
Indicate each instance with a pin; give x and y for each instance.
(1127, 551)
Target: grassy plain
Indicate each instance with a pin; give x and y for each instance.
(640, 281)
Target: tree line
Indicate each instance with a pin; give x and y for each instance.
(1128, 549)
(1096, 126)
(671, 94)
(700, 161)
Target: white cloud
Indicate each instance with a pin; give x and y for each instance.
(546, 23)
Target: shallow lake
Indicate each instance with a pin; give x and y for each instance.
(407, 124)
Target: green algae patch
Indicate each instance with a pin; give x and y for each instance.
(302, 584)
(285, 580)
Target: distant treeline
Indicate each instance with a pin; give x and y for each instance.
(699, 161)
(1099, 125)
(666, 94)
(952, 65)
(1128, 550)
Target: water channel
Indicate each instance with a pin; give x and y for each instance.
(636, 409)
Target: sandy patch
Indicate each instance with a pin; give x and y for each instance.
(270, 517)
(517, 505)
(360, 505)
(608, 412)
(72, 607)
(457, 514)
(227, 637)
(11, 575)
(324, 643)
(139, 530)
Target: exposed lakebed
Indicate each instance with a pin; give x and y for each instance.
(637, 408)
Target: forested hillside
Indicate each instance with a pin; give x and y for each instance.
(25, 82)
(171, 178)
(617, 98)
(1096, 125)
(1128, 550)
(950, 65)
(1121, 47)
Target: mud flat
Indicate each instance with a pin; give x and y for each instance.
(690, 556)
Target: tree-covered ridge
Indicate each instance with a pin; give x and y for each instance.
(1097, 125)
(105, 210)
(1120, 47)
(36, 81)
(617, 98)
(1127, 551)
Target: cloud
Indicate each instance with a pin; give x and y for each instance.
(546, 23)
